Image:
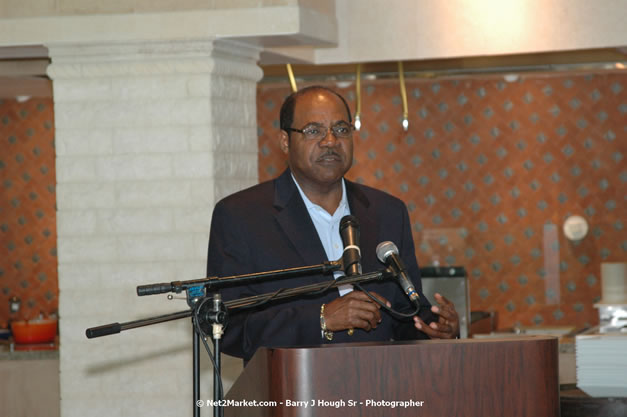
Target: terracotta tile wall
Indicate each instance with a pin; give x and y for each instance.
(28, 262)
(490, 170)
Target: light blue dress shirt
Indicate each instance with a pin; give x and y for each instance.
(328, 228)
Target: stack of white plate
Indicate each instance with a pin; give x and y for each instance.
(602, 364)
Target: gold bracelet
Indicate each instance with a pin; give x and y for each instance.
(326, 334)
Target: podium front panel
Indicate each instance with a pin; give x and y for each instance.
(487, 377)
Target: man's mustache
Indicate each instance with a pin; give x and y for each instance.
(330, 153)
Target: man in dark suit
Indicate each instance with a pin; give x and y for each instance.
(293, 221)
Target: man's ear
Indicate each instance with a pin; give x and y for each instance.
(284, 141)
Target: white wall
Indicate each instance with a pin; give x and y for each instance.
(375, 30)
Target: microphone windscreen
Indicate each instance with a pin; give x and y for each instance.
(348, 220)
(385, 249)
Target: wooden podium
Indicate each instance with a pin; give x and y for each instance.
(467, 377)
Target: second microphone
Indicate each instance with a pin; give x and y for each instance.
(351, 257)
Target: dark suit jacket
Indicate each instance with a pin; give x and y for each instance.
(267, 227)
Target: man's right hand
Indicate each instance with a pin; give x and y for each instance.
(354, 310)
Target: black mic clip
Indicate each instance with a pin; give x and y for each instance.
(212, 315)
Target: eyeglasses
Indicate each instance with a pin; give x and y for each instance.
(314, 131)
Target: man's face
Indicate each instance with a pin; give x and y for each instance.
(318, 162)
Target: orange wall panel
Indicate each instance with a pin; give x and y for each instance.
(28, 261)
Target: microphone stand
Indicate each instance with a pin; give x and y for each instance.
(217, 318)
(196, 289)
(218, 315)
(194, 294)
(114, 328)
(199, 287)
(207, 283)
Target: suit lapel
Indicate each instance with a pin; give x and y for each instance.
(294, 220)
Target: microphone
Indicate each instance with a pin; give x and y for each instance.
(387, 252)
(351, 257)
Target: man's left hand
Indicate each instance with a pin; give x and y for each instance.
(447, 326)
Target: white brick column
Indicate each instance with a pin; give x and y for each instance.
(148, 137)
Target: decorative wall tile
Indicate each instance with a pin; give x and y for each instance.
(28, 264)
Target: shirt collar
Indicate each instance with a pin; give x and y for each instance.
(312, 206)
